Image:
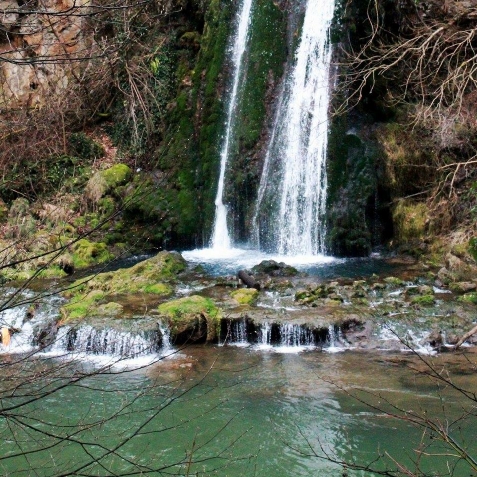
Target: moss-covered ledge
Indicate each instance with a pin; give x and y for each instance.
(192, 318)
(95, 295)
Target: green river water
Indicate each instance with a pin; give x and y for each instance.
(232, 411)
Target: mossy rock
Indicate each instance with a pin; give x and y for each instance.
(144, 277)
(85, 253)
(192, 318)
(90, 308)
(110, 309)
(52, 272)
(423, 300)
(301, 295)
(106, 181)
(82, 307)
(409, 221)
(393, 281)
(273, 268)
(468, 298)
(245, 296)
(462, 287)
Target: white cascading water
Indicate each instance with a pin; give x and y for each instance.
(295, 336)
(292, 193)
(221, 238)
(111, 342)
(25, 328)
(239, 333)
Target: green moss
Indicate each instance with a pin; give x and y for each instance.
(110, 309)
(351, 188)
(82, 146)
(423, 300)
(186, 314)
(393, 281)
(52, 272)
(473, 248)
(81, 306)
(468, 298)
(103, 182)
(158, 289)
(409, 221)
(245, 296)
(145, 277)
(85, 253)
(266, 57)
(116, 175)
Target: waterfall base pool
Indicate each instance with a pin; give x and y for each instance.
(229, 411)
(229, 261)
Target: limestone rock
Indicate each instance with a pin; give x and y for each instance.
(26, 84)
(8, 13)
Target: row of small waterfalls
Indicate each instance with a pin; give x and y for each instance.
(40, 332)
(290, 207)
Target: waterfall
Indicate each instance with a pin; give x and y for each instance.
(29, 325)
(295, 336)
(237, 333)
(87, 339)
(265, 335)
(289, 217)
(289, 337)
(221, 237)
(335, 340)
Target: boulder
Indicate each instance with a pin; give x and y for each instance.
(275, 269)
(89, 296)
(191, 319)
(463, 287)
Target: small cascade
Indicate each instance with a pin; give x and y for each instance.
(265, 335)
(166, 339)
(237, 333)
(29, 326)
(285, 337)
(295, 336)
(335, 342)
(289, 216)
(86, 339)
(221, 238)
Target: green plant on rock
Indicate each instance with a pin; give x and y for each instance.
(149, 276)
(85, 253)
(103, 182)
(409, 220)
(81, 307)
(186, 314)
(245, 296)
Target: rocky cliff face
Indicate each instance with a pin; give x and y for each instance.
(40, 48)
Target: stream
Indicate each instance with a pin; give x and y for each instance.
(239, 412)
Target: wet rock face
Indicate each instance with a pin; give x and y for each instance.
(27, 84)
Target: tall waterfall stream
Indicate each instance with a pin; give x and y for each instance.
(221, 237)
(289, 217)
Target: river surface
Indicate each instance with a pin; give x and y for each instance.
(230, 411)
